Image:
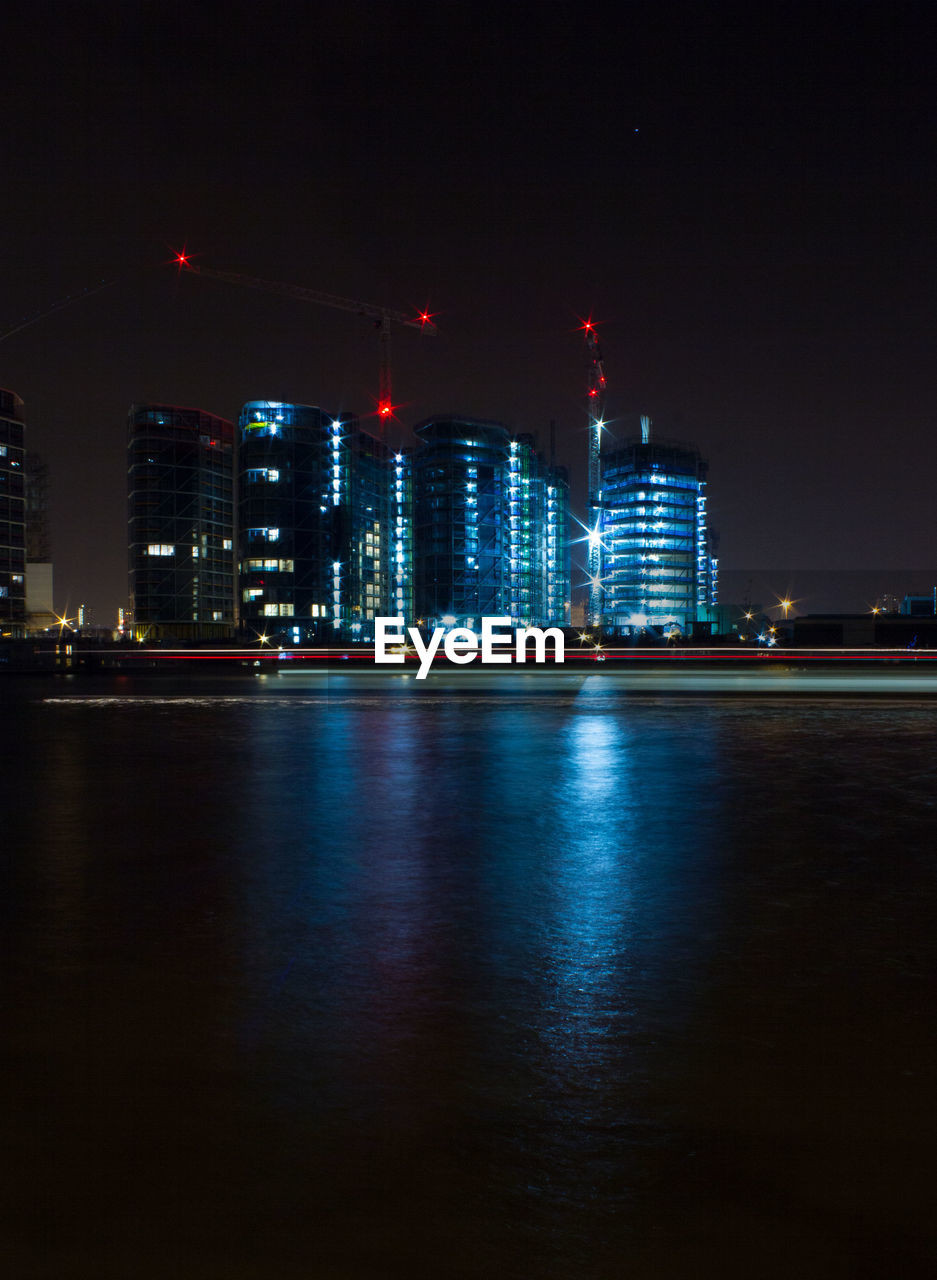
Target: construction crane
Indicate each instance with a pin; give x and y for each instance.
(56, 306)
(595, 406)
(381, 317)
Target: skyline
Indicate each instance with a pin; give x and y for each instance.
(743, 202)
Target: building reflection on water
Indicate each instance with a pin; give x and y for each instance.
(527, 983)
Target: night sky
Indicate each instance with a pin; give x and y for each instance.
(744, 197)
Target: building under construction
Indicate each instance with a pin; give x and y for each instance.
(657, 567)
(180, 486)
(490, 533)
(12, 517)
(315, 523)
(335, 529)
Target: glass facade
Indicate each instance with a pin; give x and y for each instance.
(315, 540)
(489, 527)
(38, 533)
(556, 548)
(180, 484)
(285, 498)
(460, 522)
(401, 511)
(657, 571)
(12, 517)
(538, 501)
(365, 533)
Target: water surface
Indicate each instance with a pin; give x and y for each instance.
(323, 977)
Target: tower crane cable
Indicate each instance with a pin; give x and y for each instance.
(381, 317)
(56, 306)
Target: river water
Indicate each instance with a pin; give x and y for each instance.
(339, 977)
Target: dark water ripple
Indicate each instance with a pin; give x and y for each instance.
(311, 982)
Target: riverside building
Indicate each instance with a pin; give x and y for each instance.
(489, 534)
(12, 517)
(334, 529)
(657, 570)
(318, 509)
(180, 484)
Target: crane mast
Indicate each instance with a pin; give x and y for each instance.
(381, 317)
(595, 406)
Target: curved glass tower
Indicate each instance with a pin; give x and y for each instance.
(181, 523)
(489, 527)
(657, 568)
(314, 518)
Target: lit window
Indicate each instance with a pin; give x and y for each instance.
(227, 545)
(161, 549)
(271, 610)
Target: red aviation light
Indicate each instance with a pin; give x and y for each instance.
(385, 409)
(181, 259)
(426, 319)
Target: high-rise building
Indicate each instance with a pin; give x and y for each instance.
(657, 570)
(315, 523)
(461, 530)
(12, 517)
(335, 529)
(365, 531)
(38, 532)
(180, 483)
(489, 527)
(40, 614)
(400, 603)
(538, 547)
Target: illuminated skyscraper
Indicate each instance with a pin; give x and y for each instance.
(489, 527)
(12, 517)
(538, 537)
(315, 540)
(180, 485)
(657, 567)
(400, 603)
